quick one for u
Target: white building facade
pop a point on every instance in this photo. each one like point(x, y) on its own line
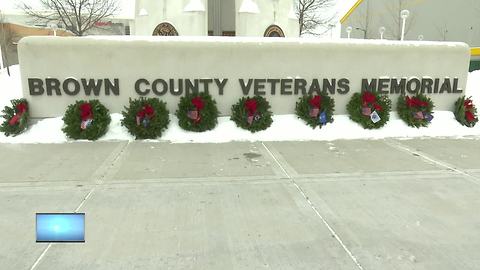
point(186, 18)
point(215, 17)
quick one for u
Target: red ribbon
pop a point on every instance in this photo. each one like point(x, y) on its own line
point(377, 107)
point(468, 104)
point(20, 109)
point(86, 111)
point(198, 103)
point(368, 98)
point(315, 101)
point(146, 111)
point(251, 106)
point(469, 116)
point(415, 102)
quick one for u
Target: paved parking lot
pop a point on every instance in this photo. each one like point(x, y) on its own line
point(357, 204)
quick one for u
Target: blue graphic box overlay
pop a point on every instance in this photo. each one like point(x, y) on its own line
point(53, 227)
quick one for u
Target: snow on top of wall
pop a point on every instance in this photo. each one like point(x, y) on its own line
point(258, 40)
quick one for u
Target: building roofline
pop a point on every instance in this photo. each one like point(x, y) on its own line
point(475, 51)
point(350, 11)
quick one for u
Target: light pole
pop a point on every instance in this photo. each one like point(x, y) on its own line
point(349, 31)
point(331, 26)
point(404, 15)
point(54, 27)
point(381, 30)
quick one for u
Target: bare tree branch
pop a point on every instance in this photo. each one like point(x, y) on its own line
point(313, 14)
point(78, 16)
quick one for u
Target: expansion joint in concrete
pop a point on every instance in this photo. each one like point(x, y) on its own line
point(105, 168)
point(310, 203)
point(427, 158)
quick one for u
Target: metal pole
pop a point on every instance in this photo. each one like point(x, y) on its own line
point(1, 59)
point(404, 14)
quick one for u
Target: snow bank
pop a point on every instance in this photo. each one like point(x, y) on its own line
point(284, 127)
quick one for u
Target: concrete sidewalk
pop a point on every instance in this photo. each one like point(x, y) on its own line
point(373, 205)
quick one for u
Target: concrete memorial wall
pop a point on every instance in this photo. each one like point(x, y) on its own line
point(57, 71)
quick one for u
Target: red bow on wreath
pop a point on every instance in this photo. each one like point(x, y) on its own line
point(86, 111)
point(251, 106)
point(147, 112)
point(469, 115)
point(368, 98)
point(199, 104)
point(468, 104)
point(20, 109)
point(415, 102)
point(315, 101)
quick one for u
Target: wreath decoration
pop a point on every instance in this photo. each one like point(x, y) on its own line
point(416, 111)
point(16, 117)
point(146, 118)
point(315, 110)
point(252, 114)
point(197, 112)
point(369, 109)
point(86, 120)
point(465, 112)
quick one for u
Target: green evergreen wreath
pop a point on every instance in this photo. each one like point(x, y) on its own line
point(197, 112)
point(465, 112)
point(146, 118)
point(86, 119)
point(369, 109)
point(16, 118)
point(315, 110)
point(416, 111)
point(252, 114)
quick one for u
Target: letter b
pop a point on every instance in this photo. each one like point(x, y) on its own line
point(35, 86)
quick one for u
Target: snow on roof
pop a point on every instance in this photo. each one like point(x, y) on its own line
point(13, 7)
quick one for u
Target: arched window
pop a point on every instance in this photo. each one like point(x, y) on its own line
point(274, 31)
point(165, 29)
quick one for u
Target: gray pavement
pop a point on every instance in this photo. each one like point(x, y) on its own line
point(361, 204)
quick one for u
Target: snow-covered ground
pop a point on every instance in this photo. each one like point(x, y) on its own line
point(284, 127)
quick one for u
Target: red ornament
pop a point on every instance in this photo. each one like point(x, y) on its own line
point(315, 101)
point(251, 106)
point(198, 103)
